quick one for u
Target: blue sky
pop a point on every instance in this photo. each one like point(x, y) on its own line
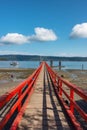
point(43, 27)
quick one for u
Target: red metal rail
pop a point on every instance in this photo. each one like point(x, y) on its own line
point(23, 93)
point(60, 91)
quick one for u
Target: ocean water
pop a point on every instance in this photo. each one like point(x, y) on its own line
point(21, 64)
point(73, 65)
point(35, 64)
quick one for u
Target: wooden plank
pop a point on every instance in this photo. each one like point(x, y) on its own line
point(43, 111)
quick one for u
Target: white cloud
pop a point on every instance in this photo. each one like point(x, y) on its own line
point(79, 31)
point(41, 34)
point(14, 38)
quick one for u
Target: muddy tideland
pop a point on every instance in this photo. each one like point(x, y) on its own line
point(77, 77)
point(10, 78)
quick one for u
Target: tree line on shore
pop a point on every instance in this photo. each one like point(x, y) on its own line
point(39, 58)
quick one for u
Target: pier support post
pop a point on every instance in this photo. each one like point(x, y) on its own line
point(51, 63)
point(82, 66)
point(59, 65)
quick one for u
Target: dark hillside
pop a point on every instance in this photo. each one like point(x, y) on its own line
point(37, 57)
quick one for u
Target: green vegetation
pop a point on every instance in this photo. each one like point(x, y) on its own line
point(3, 59)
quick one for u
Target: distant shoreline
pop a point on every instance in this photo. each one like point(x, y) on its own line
point(38, 58)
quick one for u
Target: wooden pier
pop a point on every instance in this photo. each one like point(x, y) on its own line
point(44, 111)
point(39, 103)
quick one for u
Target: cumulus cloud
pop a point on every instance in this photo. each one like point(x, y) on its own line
point(14, 38)
point(41, 34)
point(79, 31)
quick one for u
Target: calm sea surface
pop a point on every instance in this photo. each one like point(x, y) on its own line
point(35, 64)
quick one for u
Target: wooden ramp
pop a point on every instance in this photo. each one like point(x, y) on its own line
point(44, 111)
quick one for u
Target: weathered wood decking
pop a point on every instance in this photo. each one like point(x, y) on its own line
point(44, 111)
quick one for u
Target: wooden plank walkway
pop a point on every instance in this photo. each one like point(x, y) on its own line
point(43, 111)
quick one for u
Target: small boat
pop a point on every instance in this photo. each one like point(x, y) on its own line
point(14, 63)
